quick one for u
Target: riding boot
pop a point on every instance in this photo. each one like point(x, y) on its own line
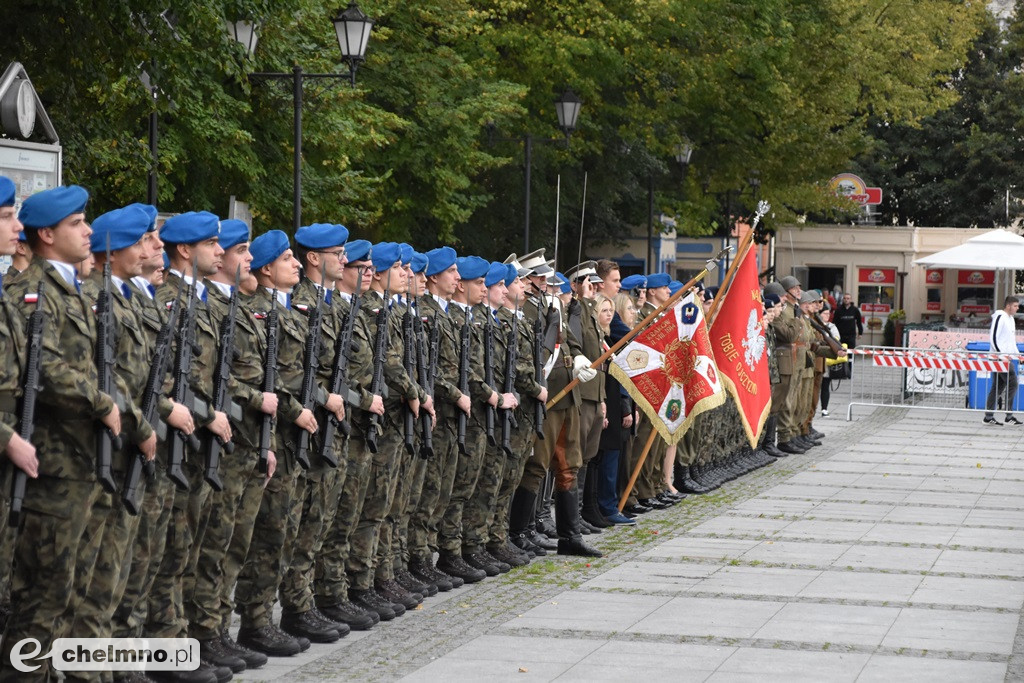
point(544, 524)
point(567, 521)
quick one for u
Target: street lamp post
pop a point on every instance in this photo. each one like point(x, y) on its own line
point(682, 152)
point(353, 31)
point(568, 109)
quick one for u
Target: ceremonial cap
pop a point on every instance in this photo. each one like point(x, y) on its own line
point(513, 260)
point(439, 260)
point(536, 262)
point(496, 273)
point(267, 248)
point(7, 191)
point(358, 250)
point(419, 262)
point(190, 227)
point(406, 252)
point(789, 282)
point(124, 227)
point(634, 282)
point(321, 235)
point(709, 293)
point(386, 255)
point(771, 301)
point(472, 267)
point(511, 274)
point(233, 232)
point(49, 207)
point(151, 211)
point(775, 289)
point(587, 269)
point(658, 280)
point(674, 286)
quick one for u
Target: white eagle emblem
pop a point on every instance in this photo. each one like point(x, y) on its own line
point(754, 343)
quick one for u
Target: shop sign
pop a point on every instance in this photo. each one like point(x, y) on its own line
point(972, 308)
point(877, 276)
point(854, 188)
point(933, 306)
point(934, 277)
point(876, 308)
point(977, 278)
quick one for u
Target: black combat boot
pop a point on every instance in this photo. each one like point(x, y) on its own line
point(371, 602)
point(454, 565)
point(252, 659)
point(410, 583)
point(304, 624)
point(345, 612)
point(269, 640)
point(567, 518)
point(543, 524)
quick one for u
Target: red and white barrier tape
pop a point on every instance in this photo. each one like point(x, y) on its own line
point(937, 359)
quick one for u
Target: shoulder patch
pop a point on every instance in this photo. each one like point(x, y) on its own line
point(259, 315)
point(31, 297)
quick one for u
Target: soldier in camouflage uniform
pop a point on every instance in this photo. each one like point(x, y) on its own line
point(470, 292)
point(12, 347)
point(331, 580)
point(389, 275)
point(232, 509)
point(321, 250)
point(58, 505)
point(442, 278)
point(277, 272)
point(480, 508)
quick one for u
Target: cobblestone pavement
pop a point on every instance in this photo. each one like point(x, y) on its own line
point(893, 552)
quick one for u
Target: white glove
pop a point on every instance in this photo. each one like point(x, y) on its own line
point(581, 369)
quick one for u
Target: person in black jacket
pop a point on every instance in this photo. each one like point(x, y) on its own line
point(849, 321)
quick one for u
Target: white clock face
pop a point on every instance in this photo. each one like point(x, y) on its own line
point(26, 109)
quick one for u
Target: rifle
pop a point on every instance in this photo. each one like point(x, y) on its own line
point(269, 382)
point(409, 361)
point(225, 355)
point(182, 392)
point(834, 344)
point(377, 382)
point(310, 368)
point(539, 410)
point(511, 356)
point(427, 376)
point(30, 387)
point(490, 412)
point(106, 336)
point(463, 379)
point(339, 376)
point(150, 397)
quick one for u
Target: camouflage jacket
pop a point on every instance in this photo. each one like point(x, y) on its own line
point(13, 347)
point(479, 390)
point(446, 380)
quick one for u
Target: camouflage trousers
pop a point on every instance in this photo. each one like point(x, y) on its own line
point(365, 537)
point(8, 535)
point(241, 538)
point(557, 421)
point(410, 490)
point(479, 511)
point(57, 513)
point(438, 478)
point(467, 472)
point(167, 617)
point(150, 540)
point(331, 579)
point(686, 448)
point(276, 522)
point(319, 506)
point(522, 443)
point(395, 527)
point(202, 603)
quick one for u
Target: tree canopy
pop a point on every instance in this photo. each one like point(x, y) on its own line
point(423, 148)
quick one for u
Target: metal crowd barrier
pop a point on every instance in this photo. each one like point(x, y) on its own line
point(932, 379)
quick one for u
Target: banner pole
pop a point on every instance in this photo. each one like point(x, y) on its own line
point(636, 470)
point(741, 253)
point(637, 329)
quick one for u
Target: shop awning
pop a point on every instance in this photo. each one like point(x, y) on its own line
point(993, 250)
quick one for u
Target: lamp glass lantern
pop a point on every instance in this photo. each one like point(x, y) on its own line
point(568, 109)
point(684, 151)
point(353, 29)
point(245, 32)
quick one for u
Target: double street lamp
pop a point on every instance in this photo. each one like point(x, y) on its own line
point(567, 107)
point(353, 30)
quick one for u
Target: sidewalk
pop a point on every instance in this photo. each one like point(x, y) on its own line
point(893, 552)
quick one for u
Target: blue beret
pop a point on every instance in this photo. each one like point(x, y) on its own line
point(167, 261)
point(190, 227)
point(419, 262)
point(49, 207)
point(658, 280)
point(496, 273)
point(472, 267)
point(7, 191)
point(439, 260)
point(357, 250)
point(22, 237)
point(267, 247)
point(233, 232)
point(150, 211)
point(385, 255)
point(634, 281)
point(565, 287)
point(406, 252)
point(124, 226)
point(511, 273)
point(674, 286)
point(321, 235)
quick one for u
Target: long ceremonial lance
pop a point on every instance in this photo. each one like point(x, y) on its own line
point(709, 265)
point(636, 470)
point(762, 208)
point(558, 206)
point(583, 214)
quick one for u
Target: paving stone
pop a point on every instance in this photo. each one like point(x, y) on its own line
point(796, 552)
point(830, 624)
point(954, 630)
point(769, 581)
point(925, 534)
point(709, 548)
point(741, 526)
point(829, 530)
point(884, 557)
point(703, 617)
point(761, 664)
point(980, 562)
point(653, 576)
point(887, 669)
point(989, 538)
point(846, 585)
point(626, 660)
point(868, 512)
point(916, 514)
point(969, 592)
point(589, 611)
